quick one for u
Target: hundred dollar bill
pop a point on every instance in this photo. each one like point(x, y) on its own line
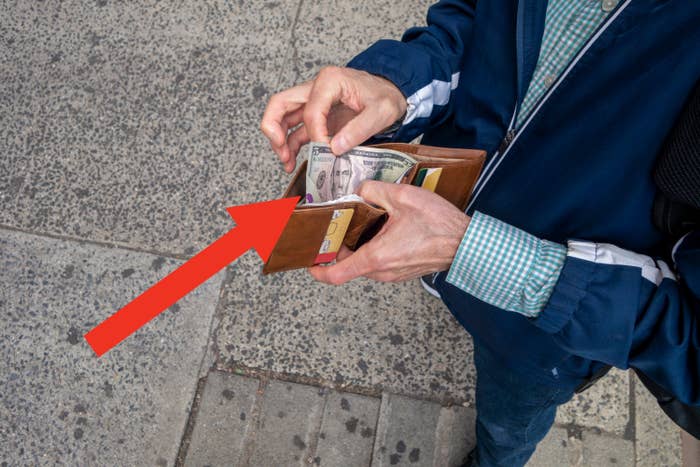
point(329, 177)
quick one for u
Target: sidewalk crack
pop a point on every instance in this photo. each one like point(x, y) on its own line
point(189, 425)
point(292, 45)
point(256, 419)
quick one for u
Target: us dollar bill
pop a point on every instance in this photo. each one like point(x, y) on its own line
point(329, 177)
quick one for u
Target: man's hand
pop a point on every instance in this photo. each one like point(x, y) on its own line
point(421, 236)
point(341, 106)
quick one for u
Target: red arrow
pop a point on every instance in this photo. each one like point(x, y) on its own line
point(258, 226)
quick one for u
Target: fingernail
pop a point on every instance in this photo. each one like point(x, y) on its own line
point(340, 145)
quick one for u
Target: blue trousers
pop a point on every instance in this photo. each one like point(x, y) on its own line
point(513, 412)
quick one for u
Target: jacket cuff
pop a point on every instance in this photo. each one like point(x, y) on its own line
point(571, 287)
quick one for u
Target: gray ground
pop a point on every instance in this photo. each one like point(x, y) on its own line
point(125, 129)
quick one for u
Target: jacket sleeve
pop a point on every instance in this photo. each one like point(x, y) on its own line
point(425, 64)
point(629, 310)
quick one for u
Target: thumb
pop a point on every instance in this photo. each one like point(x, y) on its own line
point(380, 193)
point(349, 268)
point(366, 124)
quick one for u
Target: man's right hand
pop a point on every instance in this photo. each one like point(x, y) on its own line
point(340, 106)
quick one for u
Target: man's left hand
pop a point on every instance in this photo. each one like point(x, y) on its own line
point(421, 236)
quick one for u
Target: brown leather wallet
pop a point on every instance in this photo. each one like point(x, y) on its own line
point(300, 242)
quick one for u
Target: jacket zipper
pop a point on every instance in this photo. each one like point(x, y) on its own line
point(510, 131)
point(512, 134)
point(519, 41)
point(487, 167)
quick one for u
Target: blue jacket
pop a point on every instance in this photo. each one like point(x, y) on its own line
point(578, 172)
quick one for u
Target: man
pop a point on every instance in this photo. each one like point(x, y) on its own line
point(555, 269)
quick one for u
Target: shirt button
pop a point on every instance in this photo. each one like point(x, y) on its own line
point(608, 5)
point(549, 80)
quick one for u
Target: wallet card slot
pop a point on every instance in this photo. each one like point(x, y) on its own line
point(456, 179)
point(411, 179)
point(364, 221)
point(364, 218)
point(410, 175)
point(303, 235)
point(301, 239)
point(297, 187)
point(422, 151)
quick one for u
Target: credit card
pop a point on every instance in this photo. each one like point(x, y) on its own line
point(420, 176)
point(340, 221)
point(431, 179)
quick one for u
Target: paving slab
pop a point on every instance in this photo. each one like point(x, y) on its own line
point(455, 436)
point(392, 337)
point(588, 448)
point(405, 432)
point(555, 450)
point(288, 425)
point(604, 406)
point(59, 403)
point(606, 451)
point(347, 431)
point(223, 420)
point(658, 439)
point(137, 122)
point(691, 450)
point(307, 425)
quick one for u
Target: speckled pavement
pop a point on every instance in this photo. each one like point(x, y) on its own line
point(125, 129)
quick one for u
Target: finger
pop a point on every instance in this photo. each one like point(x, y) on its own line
point(325, 93)
point(338, 117)
point(286, 155)
point(352, 267)
point(273, 124)
point(293, 119)
point(366, 124)
point(381, 194)
point(278, 107)
point(295, 141)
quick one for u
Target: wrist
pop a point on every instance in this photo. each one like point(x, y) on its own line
point(449, 244)
point(396, 97)
point(393, 128)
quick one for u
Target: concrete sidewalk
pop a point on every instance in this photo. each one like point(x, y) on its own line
point(125, 129)
point(246, 421)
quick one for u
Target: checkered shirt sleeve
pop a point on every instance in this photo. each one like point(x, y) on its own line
point(505, 266)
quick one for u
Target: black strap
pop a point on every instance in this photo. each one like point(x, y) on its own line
point(673, 218)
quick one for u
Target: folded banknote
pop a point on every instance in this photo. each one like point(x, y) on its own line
point(330, 177)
